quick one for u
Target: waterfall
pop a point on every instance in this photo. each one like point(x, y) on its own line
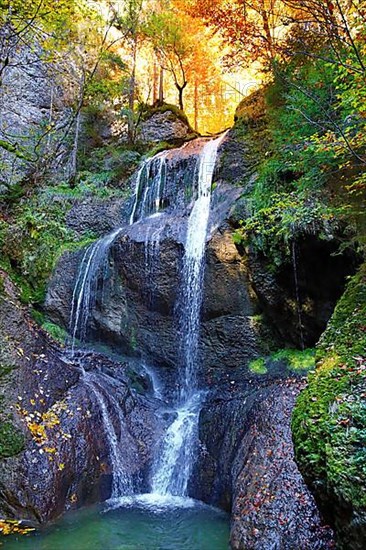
point(92, 266)
point(92, 272)
point(150, 182)
point(193, 268)
point(177, 453)
point(297, 293)
point(121, 481)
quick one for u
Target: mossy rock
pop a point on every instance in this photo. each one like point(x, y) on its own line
point(285, 362)
point(252, 109)
point(176, 113)
point(11, 440)
point(329, 421)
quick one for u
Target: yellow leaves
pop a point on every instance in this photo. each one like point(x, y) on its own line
point(50, 450)
point(50, 419)
point(38, 432)
point(61, 466)
point(11, 527)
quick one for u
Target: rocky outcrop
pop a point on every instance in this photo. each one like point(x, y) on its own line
point(247, 465)
point(299, 296)
point(54, 416)
point(330, 417)
point(31, 99)
point(137, 314)
point(246, 462)
point(167, 124)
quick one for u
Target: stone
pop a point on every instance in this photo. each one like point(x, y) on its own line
point(246, 465)
point(67, 462)
point(164, 126)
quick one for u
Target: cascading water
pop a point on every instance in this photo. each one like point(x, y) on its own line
point(176, 457)
point(150, 183)
point(85, 291)
point(193, 268)
point(172, 470)
point(121, 481)
point(91, 276)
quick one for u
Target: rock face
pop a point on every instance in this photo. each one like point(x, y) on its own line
point(137, 314)
point(307, 288)
point(165, 126)
point(136, 311)
point(246, 462)
point(247, 465)
point(63, 459)
point(30, 98)
point(330, 416)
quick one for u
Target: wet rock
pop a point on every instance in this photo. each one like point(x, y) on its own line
point(247, 465)
point(136, 312)
point(321, 275)
point(96, 216)
point(66, 461)
point(236, 162)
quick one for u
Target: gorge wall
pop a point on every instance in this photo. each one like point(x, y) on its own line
point(134, 315)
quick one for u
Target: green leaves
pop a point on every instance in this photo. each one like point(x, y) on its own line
point(271, 229)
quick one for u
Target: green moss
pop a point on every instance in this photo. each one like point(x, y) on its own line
point(56, 332)
point(11, 440)
point(33, 241)
point(284, 361)
point(166, 108)
point(258, 366)
point(6, 369)
point(159, 147)
point(297, 360)
point(329, 421)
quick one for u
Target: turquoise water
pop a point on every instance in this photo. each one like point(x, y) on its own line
point(142, 524)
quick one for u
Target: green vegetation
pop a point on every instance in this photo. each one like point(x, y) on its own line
point(176, 113)
point(330, 416)
point(286, 360)
point(33, 240)
point(298, 360)
point(57, 333)
point(310, 179)
point(11, 440)
point(105, 169)
point(258, 366)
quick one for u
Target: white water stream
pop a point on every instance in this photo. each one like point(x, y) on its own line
point(175, 455)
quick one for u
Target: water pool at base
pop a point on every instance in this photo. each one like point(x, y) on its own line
point(141, 523)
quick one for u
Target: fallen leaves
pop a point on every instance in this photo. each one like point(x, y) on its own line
point(12, 527)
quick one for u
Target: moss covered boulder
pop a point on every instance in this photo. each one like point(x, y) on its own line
point(166, 123)
point(329, 422)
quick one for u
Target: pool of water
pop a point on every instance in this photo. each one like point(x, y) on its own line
point(147, 522)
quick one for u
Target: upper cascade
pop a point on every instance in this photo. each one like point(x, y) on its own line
point(169, 180)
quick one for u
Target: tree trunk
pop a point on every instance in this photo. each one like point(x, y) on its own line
point(131, 96)
point(196, 104)
point(155, 83)
point(74, 153)
point(180, 94)
point(161, 86)
point(267, 32)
